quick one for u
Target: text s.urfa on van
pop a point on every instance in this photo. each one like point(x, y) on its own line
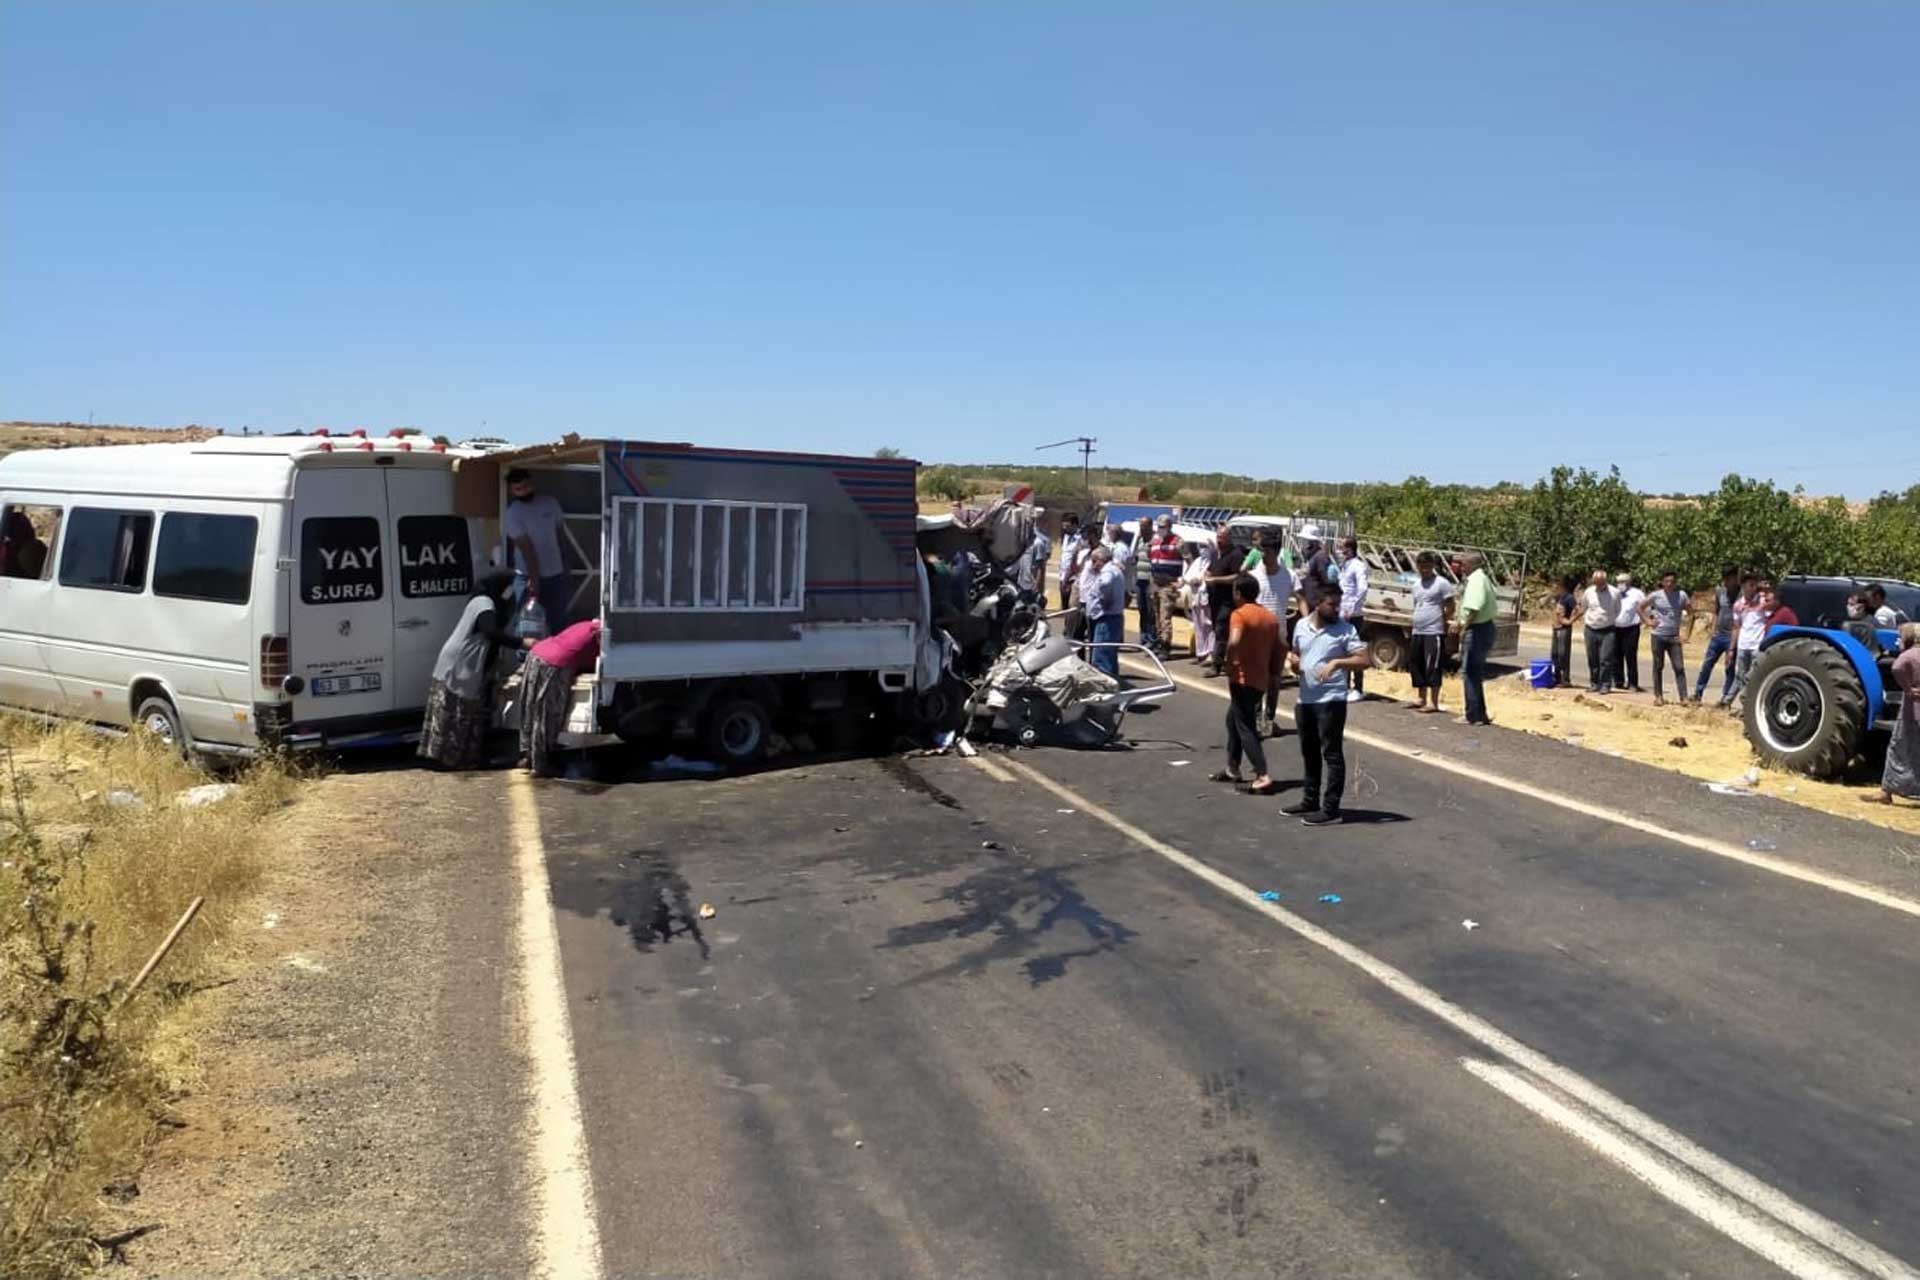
point(233, 593)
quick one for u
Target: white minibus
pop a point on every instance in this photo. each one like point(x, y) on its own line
point(235, 593)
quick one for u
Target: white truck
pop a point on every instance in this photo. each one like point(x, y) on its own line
point(741, 593)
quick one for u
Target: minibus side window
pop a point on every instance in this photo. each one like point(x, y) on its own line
point(27, 537)
point(106, 550)
point(205, 557)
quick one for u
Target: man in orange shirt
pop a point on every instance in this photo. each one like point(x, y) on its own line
point(1255, 652)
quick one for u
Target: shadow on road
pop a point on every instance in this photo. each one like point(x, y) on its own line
point(1020, 907)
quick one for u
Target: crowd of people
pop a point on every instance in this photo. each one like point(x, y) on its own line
point(1256, 615)
point(1613, 614)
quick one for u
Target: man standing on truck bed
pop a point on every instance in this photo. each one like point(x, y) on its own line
point(531, 524)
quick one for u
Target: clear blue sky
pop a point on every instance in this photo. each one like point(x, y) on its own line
point(1333, 241)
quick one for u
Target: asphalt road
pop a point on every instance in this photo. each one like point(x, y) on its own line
point(950, 1020)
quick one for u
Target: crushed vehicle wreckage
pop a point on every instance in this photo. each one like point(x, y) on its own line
point(1029, 681)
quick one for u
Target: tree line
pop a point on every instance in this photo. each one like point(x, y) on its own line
point(1569, 522)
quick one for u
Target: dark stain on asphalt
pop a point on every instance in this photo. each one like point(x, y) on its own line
point(897, 769)
point(656, 903)
point(1019, 907)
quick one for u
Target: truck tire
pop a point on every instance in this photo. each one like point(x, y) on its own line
point(738, 729)
point(156, 715)
point(1805, 709)
point(942, 708)
point(1387, 648)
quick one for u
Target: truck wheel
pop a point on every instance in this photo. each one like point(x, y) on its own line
point(157, 716)
point(1388, 649)
point(1805, 709)
point(738, 730)
point(943, 707)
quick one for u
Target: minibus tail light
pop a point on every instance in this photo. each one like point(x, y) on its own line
point(276, 661)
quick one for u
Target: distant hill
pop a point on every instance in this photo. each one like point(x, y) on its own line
point(15, 436)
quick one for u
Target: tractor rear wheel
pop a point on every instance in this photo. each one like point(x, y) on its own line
point(1805, 709)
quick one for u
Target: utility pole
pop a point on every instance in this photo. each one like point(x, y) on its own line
point(1085, 445)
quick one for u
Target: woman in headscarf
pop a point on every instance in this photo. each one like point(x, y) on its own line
point(1902, 774)
point(459, 710)
point(1199, 563)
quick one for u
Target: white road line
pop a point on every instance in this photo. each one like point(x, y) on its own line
point(1704, 844)
point(1727, 1215)
point(566, 1232)
point(1777, 1204)
point(991, 769)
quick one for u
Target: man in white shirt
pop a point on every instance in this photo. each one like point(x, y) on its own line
point(1353, 601)
point(1602, 610)
point(1072, 549)
point(532, 523)
point(1884, 615)
point(1032, 574)
point(1626, 633)
point(1103, 596)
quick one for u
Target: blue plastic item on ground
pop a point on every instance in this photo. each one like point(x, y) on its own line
point(1540, 673)
point(1330, 897)
point(1269, 895)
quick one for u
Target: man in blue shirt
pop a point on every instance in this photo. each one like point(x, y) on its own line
point(1325, 648)
point(1104, 601)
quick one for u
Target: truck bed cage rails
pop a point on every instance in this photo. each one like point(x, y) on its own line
point(1506, 567)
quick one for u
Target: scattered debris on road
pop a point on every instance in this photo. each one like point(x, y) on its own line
point(1760, 844)
point(1469, 924)
point(989, 844)
point(707, 911)
point(1269, 895)
point(1727, 789)
point(1330, 898)
point(1677, 741)
point(1178, 764)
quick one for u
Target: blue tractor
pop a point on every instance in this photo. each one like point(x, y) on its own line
point(1817, 690)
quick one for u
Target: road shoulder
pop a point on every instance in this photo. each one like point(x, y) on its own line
point(353, 1117)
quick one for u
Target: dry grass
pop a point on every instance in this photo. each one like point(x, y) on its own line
point(97, 861)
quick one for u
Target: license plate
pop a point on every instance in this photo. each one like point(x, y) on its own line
point(366, 682)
